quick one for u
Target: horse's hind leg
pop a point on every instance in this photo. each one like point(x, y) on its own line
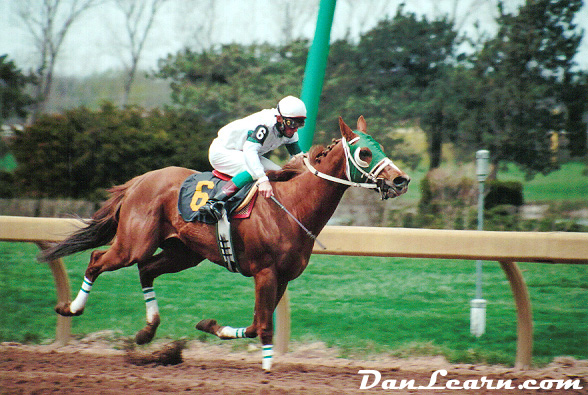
point(76, 307)
point(175, 257)
point(127, 249)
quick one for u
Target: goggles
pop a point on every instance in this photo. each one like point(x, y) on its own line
point(293, 123)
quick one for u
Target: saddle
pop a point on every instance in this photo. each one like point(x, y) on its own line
point(199, 187)
point(195, 192)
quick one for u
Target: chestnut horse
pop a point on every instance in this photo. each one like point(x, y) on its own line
point(271, 246)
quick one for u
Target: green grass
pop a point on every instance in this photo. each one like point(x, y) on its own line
point(566, 184)
point(361, 306)
point(7, 162)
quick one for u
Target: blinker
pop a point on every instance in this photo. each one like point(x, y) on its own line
point(358, 159)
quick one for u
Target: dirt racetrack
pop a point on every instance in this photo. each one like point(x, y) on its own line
point(92, 366)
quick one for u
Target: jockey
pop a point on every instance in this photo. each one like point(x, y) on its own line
point(239, 148)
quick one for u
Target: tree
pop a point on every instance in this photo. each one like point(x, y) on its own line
point(227, 83)
point(406, 51)
point(461, 10)
point(139, 17)
point(14, 101)
point(392, 74)
point(48, 25)
point(574, 95)
point(524, 73)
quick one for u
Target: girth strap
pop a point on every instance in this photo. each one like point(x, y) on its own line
point(225, 244)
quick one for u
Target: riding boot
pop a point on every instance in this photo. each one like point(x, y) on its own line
point(215, 205)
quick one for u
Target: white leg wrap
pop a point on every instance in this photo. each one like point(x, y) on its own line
point(80, 300)
point(267, 354)
point(150, 303)
point(226, 332)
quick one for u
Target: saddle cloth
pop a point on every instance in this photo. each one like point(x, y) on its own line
point(199, 187)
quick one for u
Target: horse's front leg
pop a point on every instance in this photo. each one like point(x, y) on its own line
point(226, 332)
point(266, 300)
point(268, 291)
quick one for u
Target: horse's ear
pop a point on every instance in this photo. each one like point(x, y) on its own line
point(346, 130)
point(362, 124)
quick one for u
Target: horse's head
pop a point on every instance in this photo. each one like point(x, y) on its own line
point(367, 163)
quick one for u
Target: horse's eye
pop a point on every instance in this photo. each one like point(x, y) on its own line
point(363, 156)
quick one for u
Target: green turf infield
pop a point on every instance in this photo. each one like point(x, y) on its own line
point(358, 305)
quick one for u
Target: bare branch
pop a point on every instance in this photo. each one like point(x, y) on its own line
point(139, 18)
point(292, 16)
point(48, 26)
point(196, 22)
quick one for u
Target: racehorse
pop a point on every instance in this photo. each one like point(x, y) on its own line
point(142, 216)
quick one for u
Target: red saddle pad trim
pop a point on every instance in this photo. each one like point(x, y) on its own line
point(222, 176)
point(245, 212)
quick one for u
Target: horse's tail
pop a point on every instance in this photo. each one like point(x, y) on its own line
point(99, 230)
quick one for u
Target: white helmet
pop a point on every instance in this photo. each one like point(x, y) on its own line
point(292, 107)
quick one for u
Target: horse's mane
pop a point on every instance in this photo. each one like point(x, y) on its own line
point(296, 165)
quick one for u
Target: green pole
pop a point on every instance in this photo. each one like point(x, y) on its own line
point(314, 74)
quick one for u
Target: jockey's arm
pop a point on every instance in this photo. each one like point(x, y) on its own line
point(252, 162)
point(251, 149)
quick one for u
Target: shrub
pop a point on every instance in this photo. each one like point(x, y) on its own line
point(503, 193)
point(501, 217)
point(446, 197)
point(80, 153)
point(7, 184)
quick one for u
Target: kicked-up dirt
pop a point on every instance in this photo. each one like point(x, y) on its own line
point(94, 367)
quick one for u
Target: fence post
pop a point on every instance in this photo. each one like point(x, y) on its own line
point(524, 314)
point(63, 330)
point(282, 335)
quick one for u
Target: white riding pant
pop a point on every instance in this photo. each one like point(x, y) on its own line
point(232, 162)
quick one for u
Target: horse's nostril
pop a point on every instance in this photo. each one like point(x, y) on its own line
point(401, 181)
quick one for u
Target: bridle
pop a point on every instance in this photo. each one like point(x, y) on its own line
point(373, 181)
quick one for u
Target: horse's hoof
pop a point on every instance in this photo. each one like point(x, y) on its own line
point(147, 334)
point(63, 309)
point(144, 336)
point(208, 326)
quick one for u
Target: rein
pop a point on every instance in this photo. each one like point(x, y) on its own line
point(308, 232)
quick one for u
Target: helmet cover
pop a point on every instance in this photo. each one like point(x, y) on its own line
point(292, 107)
point(363, 141)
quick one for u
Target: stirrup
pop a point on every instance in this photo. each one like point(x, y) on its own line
point(214, 208)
